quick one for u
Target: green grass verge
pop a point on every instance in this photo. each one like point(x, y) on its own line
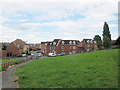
point(98, 69)
point(11, 62)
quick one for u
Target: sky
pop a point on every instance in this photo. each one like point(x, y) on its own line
point(35, 21)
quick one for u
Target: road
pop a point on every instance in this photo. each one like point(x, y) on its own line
point(9, 78)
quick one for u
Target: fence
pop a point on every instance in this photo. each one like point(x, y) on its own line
point(5, 65)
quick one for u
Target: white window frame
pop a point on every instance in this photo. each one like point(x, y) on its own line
point(62, 47)
point(74, 47)
point(63, 42)
point(88, 45)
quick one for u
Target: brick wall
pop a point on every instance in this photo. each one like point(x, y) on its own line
point(14, 50)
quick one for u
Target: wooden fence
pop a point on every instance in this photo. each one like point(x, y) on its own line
point(5, 65)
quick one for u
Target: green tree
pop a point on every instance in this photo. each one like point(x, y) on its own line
point(97, 38)
point(106, 31)
point(3, 47)
point(99, 44)
point(106, 42)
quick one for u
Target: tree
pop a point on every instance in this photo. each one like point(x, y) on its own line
point(106, 42)
point(97, 38)
point(99, 44)
point(3, 47)
point(106, 31)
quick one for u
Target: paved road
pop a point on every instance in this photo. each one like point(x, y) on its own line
point(9, 78)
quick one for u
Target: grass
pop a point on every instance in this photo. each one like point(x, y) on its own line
point(98, 69)
point(10, 62)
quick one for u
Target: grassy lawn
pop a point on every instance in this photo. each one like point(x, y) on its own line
point(97, 69)
point(4, 61)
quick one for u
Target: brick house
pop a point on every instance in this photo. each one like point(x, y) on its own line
point(89, 44)
point(3, 52)
point(61, 46)
point(17, 47)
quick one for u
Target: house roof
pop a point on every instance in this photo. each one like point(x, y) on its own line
point(17, 45)
point(88, 40)
point(43, 42)
point(68, 41)
point(22, 41)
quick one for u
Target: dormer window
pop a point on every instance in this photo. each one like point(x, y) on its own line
point(54, 43)
point(70, 42)
point(91, 41)
point(87, 41)
point(63, 42)
point(94, 41)
point(46, 44)
point(74, 42)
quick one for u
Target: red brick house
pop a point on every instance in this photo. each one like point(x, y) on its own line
point(17, 47)
point(61, 46)
point(89, 44)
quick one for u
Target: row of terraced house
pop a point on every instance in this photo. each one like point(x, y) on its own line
point(68, 46)
point(56, 46)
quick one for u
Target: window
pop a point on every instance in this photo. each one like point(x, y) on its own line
point(46, 44)
point(88, 50)
point(62, 51)
point(88, 45)
point(74, 42)
point(54, 43)
point(50, 44)
point(91, 41)
point(87, 41)
point(95, 45)
point(73, 52)
point(63, 42)
point(62, 47)
point(70, 42)
point(94, 41)
point(74, 47)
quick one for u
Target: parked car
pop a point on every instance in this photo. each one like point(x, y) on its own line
point(23, 55)
point(19, 55)
point(52, 54)
point(39, 54)
point(32, 54)
point(61, 54)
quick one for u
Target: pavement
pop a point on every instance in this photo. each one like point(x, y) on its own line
point(8, 78)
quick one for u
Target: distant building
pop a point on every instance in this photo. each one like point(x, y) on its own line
point(61, 46)
point(89, 44)
point(17, 47)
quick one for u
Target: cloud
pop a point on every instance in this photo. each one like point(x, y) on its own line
point(31, 17)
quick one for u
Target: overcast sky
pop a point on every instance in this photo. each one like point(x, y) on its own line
point(37, 21)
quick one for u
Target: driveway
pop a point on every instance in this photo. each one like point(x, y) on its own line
point(9, 78)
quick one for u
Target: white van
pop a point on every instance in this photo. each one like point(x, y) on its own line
point(52, 54)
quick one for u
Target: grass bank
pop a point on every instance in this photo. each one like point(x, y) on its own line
point(98, 69)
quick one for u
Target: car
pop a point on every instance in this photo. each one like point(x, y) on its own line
point(19, 55)
point(32, 54)
point(39, 54)
point(52, 54)
point(61, 54)
point(23, 55)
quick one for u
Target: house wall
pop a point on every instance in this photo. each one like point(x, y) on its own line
point(91, 45)
point(14, 50)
